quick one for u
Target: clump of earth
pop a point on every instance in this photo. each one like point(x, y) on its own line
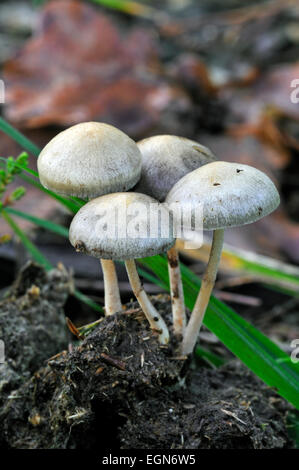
point(121, 380)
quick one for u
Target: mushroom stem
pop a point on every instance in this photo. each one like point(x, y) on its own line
point(155, 320)
point(176, 292)
point(194, 324)
point(112, 294)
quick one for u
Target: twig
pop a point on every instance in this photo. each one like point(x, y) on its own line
point(73, 328)
point(113, 362)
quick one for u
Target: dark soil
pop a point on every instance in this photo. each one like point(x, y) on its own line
point(118, 388)
point(32, 323)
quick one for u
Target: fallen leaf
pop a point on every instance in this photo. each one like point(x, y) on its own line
point(79, 67)
point(247, 149)
point(271, 89)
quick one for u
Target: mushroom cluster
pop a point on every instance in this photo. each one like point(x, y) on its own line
point(99, 163)
point(165, 160)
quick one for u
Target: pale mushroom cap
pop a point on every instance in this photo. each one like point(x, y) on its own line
point(231, 194)
point(132, 237)
point(88, 160)
point(165, 160)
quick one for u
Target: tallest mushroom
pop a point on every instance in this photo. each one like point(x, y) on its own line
point(231, 194)
point(88, 160)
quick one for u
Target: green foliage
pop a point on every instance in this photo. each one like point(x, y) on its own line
point(46, 224)
point(19, 137)
point(32, 249)
point(9, 168)
point(127, 6)
point(209, 357)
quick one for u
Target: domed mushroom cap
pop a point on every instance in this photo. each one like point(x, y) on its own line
point(165, 160)
point(122, 226)
point(88, 160)
point(231, 194)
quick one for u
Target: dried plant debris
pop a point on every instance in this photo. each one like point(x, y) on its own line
point(79, 81)
point(32, 323)
point(273, 92)
point(120, 380)
point(76, 389)
point(247, 34)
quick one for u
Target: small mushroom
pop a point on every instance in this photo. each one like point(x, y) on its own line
point(119, 226)
point(165, 160)
point(231, 195)
point(88, 160)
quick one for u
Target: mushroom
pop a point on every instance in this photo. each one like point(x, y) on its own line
point(165, 160)
point(88, 160)
point(120, 226)
point(231, 194)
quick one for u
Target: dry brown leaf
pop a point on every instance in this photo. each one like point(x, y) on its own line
point(78, 67)
point(272, 89)
point(248, 150)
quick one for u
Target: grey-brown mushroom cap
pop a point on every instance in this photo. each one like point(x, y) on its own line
point(165, 160)
point(88, 160)
point(122, 226)
point(231, 194)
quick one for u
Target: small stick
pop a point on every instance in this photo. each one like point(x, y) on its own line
point(113, 362)
point(62, 353)
point(73, 329)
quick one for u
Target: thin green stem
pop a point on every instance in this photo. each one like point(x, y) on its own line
point(19, 137)
point(32, 249)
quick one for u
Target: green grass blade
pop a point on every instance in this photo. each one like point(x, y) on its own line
point(150, 277)
point(254, 349)
point(209, 357)
point(19, 137)
point(73, 207)
point(263, 267)
point(31, 248)
point(80, 296)
point(41, 259)
point(46, 224)
point(271, 272)
point(127, 6)
point(73, 204)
